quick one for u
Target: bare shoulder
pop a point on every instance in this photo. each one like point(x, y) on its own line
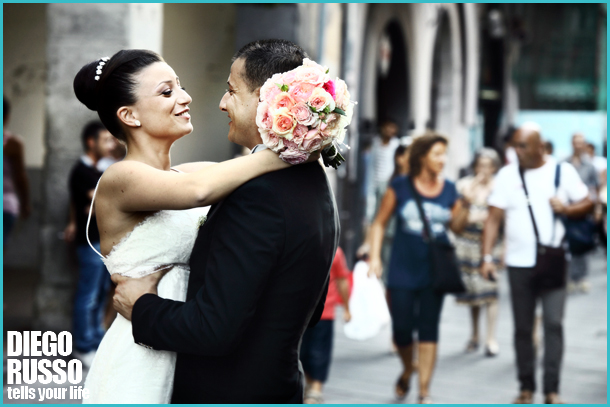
point(124, 172)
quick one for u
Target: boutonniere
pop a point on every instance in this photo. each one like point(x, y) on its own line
point(201, 221)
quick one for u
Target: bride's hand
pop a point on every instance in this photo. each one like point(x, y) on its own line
point(315, 156)
point(128, 290)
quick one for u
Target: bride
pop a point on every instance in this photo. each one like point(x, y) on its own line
point(148, 213)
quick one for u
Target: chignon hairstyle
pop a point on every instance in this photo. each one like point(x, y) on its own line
point(116, 86)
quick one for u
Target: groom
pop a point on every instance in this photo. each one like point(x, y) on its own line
point(259, 267)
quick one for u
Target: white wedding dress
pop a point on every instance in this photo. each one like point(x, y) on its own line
point(123, 371)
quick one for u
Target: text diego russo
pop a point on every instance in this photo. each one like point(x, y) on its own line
point(26, 364)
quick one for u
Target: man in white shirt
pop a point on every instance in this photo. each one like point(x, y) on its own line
point(381, 166)
point(508, 201)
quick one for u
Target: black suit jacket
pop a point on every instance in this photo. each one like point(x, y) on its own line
point(259, 275)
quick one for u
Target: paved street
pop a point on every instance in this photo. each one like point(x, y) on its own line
point(365, 372)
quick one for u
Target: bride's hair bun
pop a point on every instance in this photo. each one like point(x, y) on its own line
point(114, 87)
point(85, 85)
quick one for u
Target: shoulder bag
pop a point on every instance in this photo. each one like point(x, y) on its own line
point(551, 266)
point(446, 276)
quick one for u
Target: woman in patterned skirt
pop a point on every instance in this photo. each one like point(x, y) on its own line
point(481, 293)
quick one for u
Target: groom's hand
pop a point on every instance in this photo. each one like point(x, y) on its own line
point(128, 290)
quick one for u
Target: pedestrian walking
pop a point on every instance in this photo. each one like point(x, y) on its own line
point(380, 166)
point(480, 293)
point(579, 262)
point(529, 197)
point(401, 168)
point(415, 306)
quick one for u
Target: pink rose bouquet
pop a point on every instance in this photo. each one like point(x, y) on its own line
point(303, 111)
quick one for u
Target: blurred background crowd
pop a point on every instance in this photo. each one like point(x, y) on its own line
point(487, 85)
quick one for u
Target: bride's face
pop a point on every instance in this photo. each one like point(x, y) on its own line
point(162, 106)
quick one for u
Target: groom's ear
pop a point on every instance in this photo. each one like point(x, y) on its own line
point(126, 116)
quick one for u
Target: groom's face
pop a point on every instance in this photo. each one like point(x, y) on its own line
point(240, 104)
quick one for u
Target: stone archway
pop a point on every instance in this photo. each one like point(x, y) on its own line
point(392, 101)
point(385, 27)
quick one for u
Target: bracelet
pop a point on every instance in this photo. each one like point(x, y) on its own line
point(488, 258)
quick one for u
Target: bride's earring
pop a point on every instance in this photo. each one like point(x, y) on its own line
point(138, 124)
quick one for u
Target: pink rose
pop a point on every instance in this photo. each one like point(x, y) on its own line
point(342, 97)
point(300, 131)
point(303, 114)
point(312, 141)
point(270, 89)
point(298, 134)
point(326, 131)
point(282, 100)
point(331, 124)
point(332, 128)
point(320, 99)
point(271, 93)
point(302, 91)
point(294, 156)
point(291, 145)
point(311, 75)
point(310, 63)
point(330, 88)
point(289, 77)
point(271, 140)
point(263, 119)
point(335, 126)
point(283, 123)
point(332, 118)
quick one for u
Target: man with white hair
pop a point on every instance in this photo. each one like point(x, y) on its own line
point(525, 193)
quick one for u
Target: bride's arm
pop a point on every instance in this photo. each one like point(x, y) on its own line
point(134, 186)
point(194, 166)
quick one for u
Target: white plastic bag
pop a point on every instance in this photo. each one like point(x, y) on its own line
point(367, 305)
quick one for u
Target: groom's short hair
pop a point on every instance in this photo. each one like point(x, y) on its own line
point(264, 58)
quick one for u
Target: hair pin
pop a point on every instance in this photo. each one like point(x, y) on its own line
point(101, 64)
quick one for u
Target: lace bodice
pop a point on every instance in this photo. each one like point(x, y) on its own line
point(164, 238)
point(167, 237)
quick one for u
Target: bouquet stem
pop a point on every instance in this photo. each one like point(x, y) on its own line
point(332, 157)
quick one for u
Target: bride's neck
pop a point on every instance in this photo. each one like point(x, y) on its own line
point(154, 152)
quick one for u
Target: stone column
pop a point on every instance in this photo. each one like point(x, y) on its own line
point(77, 34)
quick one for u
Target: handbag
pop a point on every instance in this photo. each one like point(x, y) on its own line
point(446, 275)
point(551, 265)
point(580, 234)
